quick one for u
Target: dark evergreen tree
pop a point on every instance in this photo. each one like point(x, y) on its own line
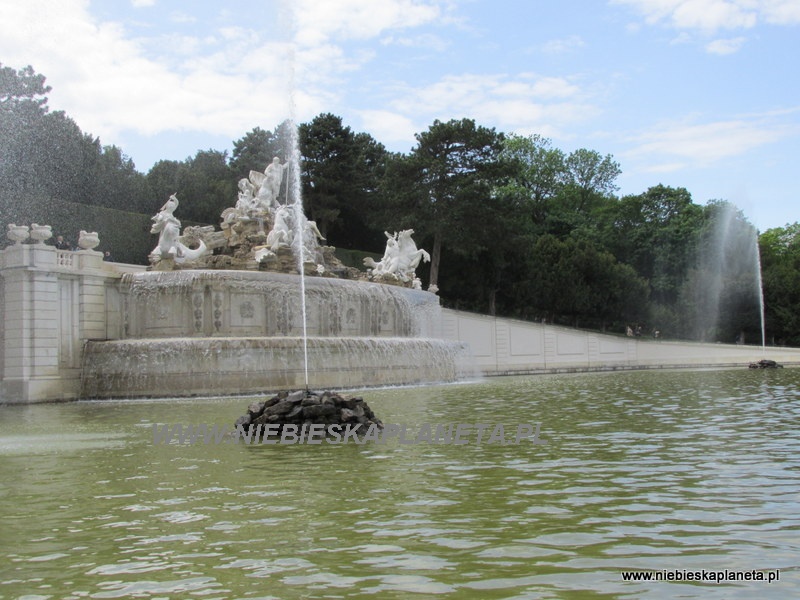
point(444, 188)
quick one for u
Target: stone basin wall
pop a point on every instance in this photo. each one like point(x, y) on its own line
point(259, 303)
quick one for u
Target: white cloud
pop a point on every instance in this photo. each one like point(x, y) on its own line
point(433, 42)
point(563, 45)
point(318, 22)
point(713, 15)
point(706, 143)
point(725, 46)
point(108, 82)
point(219, 80)
point(389, 127)
point(781, 12)
point(524, 104)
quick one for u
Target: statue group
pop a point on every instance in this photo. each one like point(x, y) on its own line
point(400, 259)
point(262, 232)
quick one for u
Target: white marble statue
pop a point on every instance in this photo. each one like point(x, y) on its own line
point(400, 259)
point(311, 238)
point(267, 185)
point(281, 234)
point(273, 176)
point(170, 205)
point(168, 228)
point(246, 201)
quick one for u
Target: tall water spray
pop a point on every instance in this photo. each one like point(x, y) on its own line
point(726, 281)
point(760, 290)
point(295, 197)
point(298, 242)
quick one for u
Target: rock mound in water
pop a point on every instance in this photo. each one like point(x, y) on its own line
point(310, 408)
point(765, 364)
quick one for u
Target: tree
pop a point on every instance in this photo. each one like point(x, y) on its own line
point(577, 279)
point(22, 90)
point(445, 187)
point(47, 156)
point(780, 262)
point(539, 172)
point(254, 152)
point(656, 233)
point(205, 186)
point(589, 176)
point(23, 105)
point(111, 180)
point(340, 174)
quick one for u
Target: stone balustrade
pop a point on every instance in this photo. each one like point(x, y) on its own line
point(51, 302)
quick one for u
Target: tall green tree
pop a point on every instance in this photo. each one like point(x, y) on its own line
point(780, 261)
point(590, 176)
point(255, 151)
point(539, 172)
point(340, 174)
point(22, 89)
point(576, 279)
point(205, 187)
point(444, 188)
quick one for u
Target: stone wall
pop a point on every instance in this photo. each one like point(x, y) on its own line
point(507, 347)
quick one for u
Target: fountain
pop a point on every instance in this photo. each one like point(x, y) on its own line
point(727, 288)
point(261, 305)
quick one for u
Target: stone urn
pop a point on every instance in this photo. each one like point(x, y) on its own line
point(40, 233)
point(18, 233)
point(88, 240)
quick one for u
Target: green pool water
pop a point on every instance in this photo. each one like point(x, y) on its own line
point(647, 471)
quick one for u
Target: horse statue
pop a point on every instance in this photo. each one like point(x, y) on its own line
point(281, 234)
point(400, 259)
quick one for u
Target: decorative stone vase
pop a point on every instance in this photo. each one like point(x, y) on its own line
point(40, 233)
point(18, 233)
point(88, 240)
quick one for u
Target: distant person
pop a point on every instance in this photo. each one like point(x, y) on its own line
point(629, 331)
point(107, 256)
point(62, 244)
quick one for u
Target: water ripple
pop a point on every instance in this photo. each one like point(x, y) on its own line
point(648, 471)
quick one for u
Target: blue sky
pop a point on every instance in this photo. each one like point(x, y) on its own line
point(701, 94)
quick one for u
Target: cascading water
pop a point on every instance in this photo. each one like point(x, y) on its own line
point(201, 331)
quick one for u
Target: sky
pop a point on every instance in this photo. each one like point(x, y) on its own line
point(700, 94)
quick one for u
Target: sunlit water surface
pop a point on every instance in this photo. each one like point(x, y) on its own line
point(642, 470)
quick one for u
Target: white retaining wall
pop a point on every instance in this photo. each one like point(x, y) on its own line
point(507, 346)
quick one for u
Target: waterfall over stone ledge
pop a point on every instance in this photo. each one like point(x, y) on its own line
point(203, 332)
